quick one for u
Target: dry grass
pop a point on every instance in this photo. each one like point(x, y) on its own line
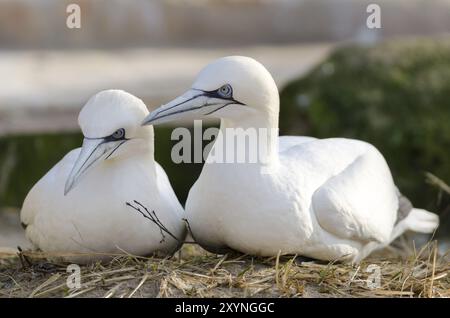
point(195, 273)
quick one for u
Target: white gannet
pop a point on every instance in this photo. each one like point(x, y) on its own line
point(80, 205)
point(329, 199)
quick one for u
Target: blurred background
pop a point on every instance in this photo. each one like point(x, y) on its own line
point(389, 86)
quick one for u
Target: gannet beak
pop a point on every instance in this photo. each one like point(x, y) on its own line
point(91, 153)
point(188, 105)
point(194, 104)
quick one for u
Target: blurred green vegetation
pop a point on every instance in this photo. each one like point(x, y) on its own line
point(24, 159)
point(395, 95)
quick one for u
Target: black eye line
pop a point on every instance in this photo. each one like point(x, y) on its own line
point(215, 94)
point(110, 137)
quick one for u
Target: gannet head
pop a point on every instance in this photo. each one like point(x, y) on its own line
point(111, 125)
point(232, 87)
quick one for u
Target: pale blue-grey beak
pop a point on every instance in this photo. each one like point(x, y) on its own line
point(91, 152)
point(194, 104)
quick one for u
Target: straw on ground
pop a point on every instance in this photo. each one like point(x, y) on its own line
point(195, 273)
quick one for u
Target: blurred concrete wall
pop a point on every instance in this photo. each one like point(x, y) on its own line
point(119, 23)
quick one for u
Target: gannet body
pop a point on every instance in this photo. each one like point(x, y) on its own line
point(330, 199)
point(79, 208)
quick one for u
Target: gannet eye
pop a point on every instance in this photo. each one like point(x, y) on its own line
point(118, 134)
point(226, 91)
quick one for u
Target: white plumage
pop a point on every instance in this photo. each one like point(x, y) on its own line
point(114, 166)
point(328, 199)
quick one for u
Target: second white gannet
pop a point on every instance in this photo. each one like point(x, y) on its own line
point(79, 208)
point(329, 199)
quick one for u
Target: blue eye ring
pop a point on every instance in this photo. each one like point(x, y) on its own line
point(118, 134)
point(225, 91)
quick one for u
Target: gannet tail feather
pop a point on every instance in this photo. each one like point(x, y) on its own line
point(418, 220)
point(409, 219)
point(413, 219)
